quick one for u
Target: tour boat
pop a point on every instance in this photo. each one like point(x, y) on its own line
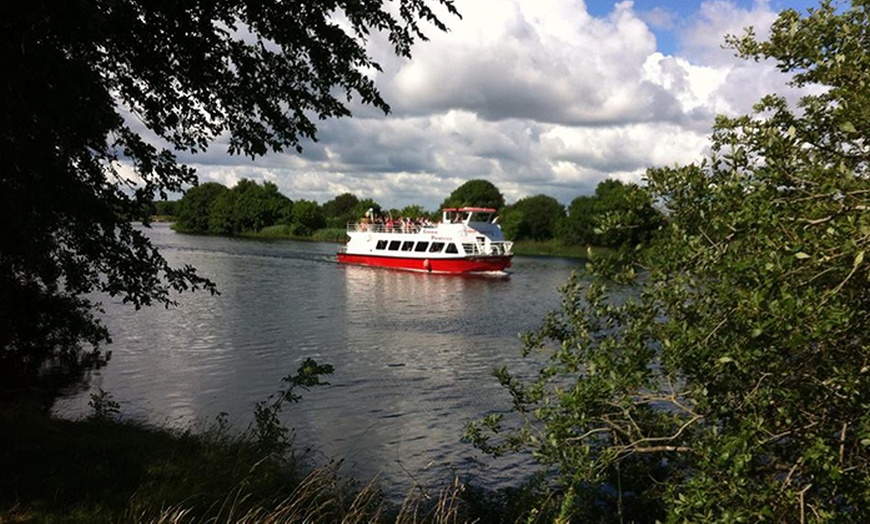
point(467, 240)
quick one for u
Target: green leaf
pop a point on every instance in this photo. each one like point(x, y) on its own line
point(859, 258)
point(800, 255)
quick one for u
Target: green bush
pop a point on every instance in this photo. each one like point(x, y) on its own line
point(335, 234)
point(729, 381)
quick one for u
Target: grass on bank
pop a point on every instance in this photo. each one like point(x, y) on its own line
point(339, 235)
point(286, 232)
point(103, 470)
point(96, 471)
point(106, 471)
point(283, 232)
point(524, 247)
point(554, 248)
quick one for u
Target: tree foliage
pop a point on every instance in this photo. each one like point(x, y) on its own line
point(617, 215)
point(532, 218)
point(246, 208)
point(413, 211)
point(166, 208)
point(362, 208)
point(249, 208)
point(733, 384)
point(76, 73)
point(339, 211)
point(578, 228)
point(194, 208)
point(475, 193)
point(307, 218)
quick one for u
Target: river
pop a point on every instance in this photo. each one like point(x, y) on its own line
point(413, 353)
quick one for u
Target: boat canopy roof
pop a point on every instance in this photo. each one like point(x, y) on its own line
point(470, 209)
point(467, 215)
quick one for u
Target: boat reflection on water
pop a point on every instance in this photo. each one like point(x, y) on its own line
point(395, 297)
point(428, 357)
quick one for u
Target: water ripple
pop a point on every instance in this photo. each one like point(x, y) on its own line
point(413, 353)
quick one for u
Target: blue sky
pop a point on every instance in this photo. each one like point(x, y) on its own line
point(537, 96)
point(665, 18)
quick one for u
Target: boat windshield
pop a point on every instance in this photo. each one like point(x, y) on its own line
point(453, 216)
point(470, 214)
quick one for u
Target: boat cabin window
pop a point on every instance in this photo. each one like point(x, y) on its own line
point(469, 249)
point(451, 248)
point(421, 247)
point(479, 216)
point(454, 216)
point(436, 247)
point(382, 244)
point(407, 245)
point(394, 245)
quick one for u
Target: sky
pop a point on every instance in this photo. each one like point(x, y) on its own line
point(536, 96)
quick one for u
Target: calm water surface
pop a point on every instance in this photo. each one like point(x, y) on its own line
point(413, 353)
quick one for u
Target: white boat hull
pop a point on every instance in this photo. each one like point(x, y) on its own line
point(466, 241)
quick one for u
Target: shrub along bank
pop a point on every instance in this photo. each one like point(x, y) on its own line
point(102, 469)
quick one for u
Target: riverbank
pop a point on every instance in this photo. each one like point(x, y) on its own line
point(388, 417)
point(550, 248)
point(102, 470)
point(279, 232)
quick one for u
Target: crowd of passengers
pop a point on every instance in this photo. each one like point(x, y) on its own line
point(398, 225)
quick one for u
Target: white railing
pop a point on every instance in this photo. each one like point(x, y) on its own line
point(495, 248)
point(353, 227)
point(471, 248)
point(501, 248)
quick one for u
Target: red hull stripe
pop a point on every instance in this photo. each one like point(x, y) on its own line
point(435, 265)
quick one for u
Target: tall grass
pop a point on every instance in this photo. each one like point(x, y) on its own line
point(107, 471)
point(103, 470)
point(287, 232)
point(319, 497)
point(335, 234)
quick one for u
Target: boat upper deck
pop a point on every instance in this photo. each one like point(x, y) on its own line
point(378, 227)
point(465, 216)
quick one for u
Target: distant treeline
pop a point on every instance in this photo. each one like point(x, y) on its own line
point(617, 214)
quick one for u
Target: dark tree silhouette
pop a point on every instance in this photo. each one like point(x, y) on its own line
point(338, 210)
point(480, 193)
point(196, 205)
point(74, 170)
point(532, 218)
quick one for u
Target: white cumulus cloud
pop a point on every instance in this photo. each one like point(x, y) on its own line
point(535, 96)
